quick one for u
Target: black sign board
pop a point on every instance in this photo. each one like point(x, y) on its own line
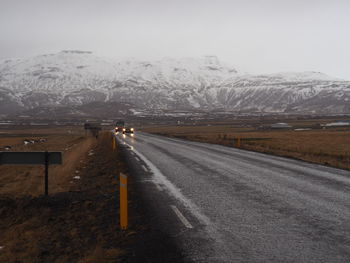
point(32, 158)
point(94, 128)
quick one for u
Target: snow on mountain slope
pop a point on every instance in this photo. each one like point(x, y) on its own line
point(71, 78)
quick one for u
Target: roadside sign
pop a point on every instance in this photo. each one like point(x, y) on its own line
point(29, 158)
point(94, 128)
point(32, 158)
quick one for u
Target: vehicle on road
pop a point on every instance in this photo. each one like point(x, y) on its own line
point(119, 126)
point(128, 130)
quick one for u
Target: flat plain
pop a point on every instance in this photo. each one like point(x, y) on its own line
point(307, 140)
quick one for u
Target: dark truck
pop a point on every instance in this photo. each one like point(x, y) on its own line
point(119, 126)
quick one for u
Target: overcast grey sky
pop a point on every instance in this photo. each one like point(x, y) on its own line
point(258, 36)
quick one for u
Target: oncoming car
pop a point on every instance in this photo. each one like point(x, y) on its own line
point(118, 129)
point(128, 130)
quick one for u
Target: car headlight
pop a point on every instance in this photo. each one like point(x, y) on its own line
point(124, 129)
point(132, 129)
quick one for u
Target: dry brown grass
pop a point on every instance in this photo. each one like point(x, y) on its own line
point(329, 147)
point(75, 223)
point(81, 224)
point(29, 180)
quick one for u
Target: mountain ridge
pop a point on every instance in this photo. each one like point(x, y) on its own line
point(72, 77)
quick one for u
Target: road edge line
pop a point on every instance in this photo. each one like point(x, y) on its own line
point(182, 218)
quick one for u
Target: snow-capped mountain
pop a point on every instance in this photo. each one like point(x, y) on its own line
point(71, 78)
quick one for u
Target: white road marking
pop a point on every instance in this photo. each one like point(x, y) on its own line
point(144, 168)
point(181, 217)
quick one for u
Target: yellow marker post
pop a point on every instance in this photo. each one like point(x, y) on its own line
point(113, 143)
point(238, 142)
point(123, 190)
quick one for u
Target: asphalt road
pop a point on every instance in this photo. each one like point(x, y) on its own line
point(222, 204)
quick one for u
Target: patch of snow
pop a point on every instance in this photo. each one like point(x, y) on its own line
point(335, 124)
point(303, 129)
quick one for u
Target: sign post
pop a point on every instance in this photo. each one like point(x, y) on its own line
point(94, 128)
point(32, 158)
point(46, 173)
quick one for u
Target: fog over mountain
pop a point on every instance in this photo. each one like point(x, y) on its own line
point(73, 78)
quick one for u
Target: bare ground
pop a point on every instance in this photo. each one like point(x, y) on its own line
point(79, 221)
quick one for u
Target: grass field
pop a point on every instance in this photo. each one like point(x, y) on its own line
point(28, 180)
point(324, 146)
point(79, 220)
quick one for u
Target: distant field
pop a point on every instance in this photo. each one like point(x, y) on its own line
point(78, 221)
point(28, 180)
point(324, 146)
point(74, 223)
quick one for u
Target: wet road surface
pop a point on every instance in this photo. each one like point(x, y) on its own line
point(228, 205)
